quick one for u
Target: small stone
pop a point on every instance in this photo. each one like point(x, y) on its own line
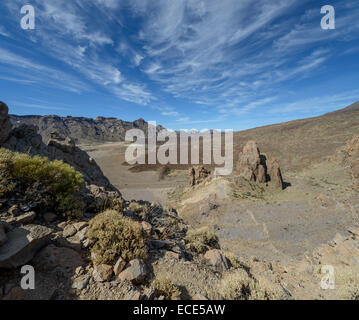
point(146, 227)
point(79, 270)
point(49, 217)
point(62, 225)
point(69, 231)
point(119, 266)
point(14, 210)
point(82, 234)
point(87, 243)
point(80, 225)
point(102, 273)
point(217, 259)
point(136, 272)
point(24, 208)
point(81, 282)
point(26, 218)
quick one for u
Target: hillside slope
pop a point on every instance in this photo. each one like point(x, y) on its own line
point(297, 144)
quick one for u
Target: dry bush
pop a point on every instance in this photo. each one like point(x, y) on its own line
point(201, 240)
point(138, 209)
point(166, 288)
point(52, 184)
point(234, 260)
point(347, 284)
point(113, 203)
point(238, 285)
point(115, 236)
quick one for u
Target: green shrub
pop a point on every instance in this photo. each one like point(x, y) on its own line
point(52, 183)
point(116, 236)
point(202, 239)
point(166, 288)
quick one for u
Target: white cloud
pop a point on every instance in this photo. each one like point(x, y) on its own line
point(185, 119)
point(3, 32)
point(37, 106)
point(318, 104)
point(170, 113)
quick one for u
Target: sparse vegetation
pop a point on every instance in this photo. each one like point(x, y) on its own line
point(138, 209)
point(202, 239)
point(166, 288)
point(115, 236)
point(347, 284)
point(113, 203)
point(52, 184)
point(238, 285)
point(233, 259)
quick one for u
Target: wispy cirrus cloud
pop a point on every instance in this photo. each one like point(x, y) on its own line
point(228, 58)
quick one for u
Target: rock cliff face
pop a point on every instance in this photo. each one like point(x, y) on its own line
point(81, 130)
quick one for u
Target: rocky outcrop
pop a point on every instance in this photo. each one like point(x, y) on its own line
point(26, 139)
point(5, 124)
point(135, 272)
point(216, 259)
point(80, 129)
point(22, 243)
point(255, 167)
point(197, 175)
point(102, 273)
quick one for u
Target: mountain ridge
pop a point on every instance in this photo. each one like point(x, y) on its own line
point(82, 130)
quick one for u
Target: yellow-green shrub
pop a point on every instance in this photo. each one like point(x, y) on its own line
point(166, 288)
point(53, 182)
point(202, 239)
point(115, 236)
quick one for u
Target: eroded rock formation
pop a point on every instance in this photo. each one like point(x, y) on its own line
point(255, 167)
point(198, 174)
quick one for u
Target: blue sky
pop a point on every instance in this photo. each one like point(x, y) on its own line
point(228, 64)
